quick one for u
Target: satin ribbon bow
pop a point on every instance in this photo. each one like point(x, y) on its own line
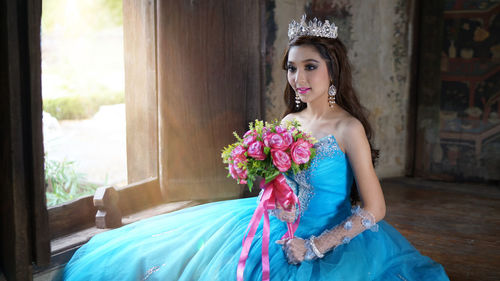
point(278, 191)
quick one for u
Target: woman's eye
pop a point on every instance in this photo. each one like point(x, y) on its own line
point(291, 68)
point(311, 67)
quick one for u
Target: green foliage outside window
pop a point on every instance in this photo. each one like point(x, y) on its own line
point(80, 107)
point(64, 183)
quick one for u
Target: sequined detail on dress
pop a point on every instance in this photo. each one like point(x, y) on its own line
point(152, 270)
point(325, 147)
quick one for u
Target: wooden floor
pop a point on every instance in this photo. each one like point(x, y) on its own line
point(457, 225)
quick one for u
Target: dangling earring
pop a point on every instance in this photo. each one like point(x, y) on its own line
point(297, 101)
point(332, 91)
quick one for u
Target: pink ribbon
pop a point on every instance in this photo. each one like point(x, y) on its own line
point(276, 190)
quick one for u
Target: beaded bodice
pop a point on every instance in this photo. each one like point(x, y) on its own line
point(324, 188)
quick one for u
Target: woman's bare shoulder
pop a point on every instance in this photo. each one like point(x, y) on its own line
point(290, 117)
point(351, 125)
point(347, 127)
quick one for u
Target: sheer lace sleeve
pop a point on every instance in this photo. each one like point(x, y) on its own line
point(359, 221)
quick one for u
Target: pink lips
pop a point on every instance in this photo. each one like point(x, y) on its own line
point(303, 90)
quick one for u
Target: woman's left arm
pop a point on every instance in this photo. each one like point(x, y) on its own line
point(359, 154)
point(358, 151)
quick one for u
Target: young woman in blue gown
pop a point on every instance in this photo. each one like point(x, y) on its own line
point(334, 240)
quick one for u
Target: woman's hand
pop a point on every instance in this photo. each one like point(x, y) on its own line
point(283, 215)
point(295, 249)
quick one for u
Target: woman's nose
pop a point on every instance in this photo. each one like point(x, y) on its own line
point(299, 76)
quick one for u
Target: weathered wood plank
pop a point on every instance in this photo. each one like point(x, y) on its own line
point(140, 89)
point(40, 230)
point(71, 216)
point(139, 196)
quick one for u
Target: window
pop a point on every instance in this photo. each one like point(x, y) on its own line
point(83, 97)
point(141, 115)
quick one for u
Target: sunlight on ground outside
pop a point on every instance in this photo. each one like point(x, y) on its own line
point(83, 97)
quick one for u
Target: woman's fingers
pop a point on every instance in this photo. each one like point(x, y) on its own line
point(282, 241)
point(294, 249)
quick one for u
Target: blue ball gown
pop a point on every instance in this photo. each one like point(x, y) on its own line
point(204, 242)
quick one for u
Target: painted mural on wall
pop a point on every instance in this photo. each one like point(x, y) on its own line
point(470, 91)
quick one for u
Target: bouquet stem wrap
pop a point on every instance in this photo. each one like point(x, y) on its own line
point(279, 191)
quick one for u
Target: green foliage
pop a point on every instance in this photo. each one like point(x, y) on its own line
point(237, 137)
point(80, 107)
point(64, 183)
point(226, 153)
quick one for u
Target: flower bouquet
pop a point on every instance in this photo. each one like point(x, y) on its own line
point(267, 150)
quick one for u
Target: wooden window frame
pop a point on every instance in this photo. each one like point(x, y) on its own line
point(24, 237)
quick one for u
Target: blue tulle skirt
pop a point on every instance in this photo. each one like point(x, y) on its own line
point(204, 243)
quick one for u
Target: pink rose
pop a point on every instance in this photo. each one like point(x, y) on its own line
point(241, 172)
point(240, 178)
point(300, 151)
point(281, 160)
point(265, 132)
point(287, 138)
point(256, 150)
point(280, 130)
point(249, 140)
point(232, 171)
point(275, 141)
point(238, 152)
point(248, 133)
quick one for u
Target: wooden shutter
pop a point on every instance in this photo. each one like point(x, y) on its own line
point(209, 86)
point(140, 90)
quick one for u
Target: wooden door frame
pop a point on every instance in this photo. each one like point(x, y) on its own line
point(24, 232)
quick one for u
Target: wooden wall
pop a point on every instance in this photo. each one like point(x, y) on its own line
point(208, 86)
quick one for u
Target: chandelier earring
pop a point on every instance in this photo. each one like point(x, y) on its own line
point(297, 101)
point(332, 92)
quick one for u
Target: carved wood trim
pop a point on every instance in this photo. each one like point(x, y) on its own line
point(80, 214)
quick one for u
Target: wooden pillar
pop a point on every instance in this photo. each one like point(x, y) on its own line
point(24, 237)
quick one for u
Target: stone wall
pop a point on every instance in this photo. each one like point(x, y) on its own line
point(377, 34)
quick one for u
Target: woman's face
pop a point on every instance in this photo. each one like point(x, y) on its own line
point(308, 73)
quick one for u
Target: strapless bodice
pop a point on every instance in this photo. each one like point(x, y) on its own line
point(324, 188)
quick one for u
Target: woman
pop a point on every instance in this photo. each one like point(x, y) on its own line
point(333, 240)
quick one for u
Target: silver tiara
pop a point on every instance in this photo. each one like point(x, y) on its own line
point(313, 28)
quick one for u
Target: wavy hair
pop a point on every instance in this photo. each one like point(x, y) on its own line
point(334, 52)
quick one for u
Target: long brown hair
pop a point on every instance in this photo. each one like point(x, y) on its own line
point(334, 52)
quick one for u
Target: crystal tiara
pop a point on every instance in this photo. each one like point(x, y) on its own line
point(313, 28)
